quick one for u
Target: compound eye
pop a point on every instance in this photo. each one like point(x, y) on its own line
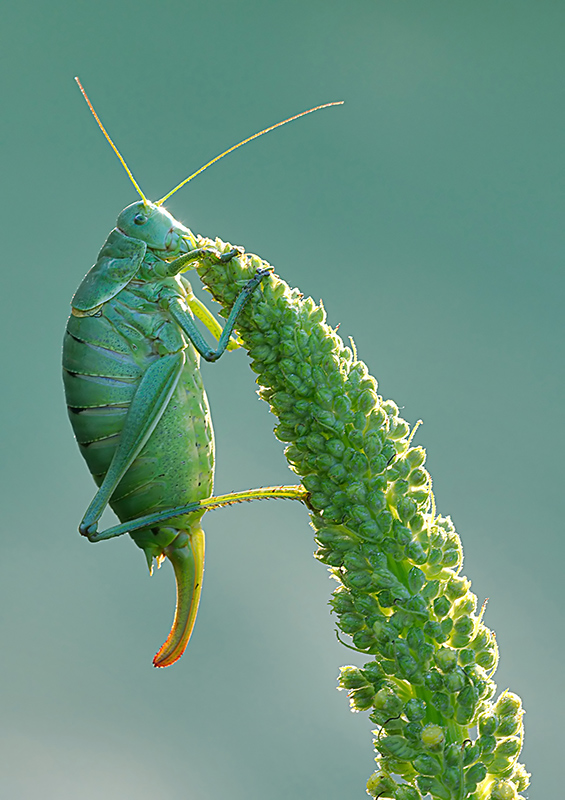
point(140, 219)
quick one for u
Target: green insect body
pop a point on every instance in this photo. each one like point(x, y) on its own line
point(131, 375)
point(131, 358)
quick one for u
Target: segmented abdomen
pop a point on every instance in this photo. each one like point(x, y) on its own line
point(103, 363)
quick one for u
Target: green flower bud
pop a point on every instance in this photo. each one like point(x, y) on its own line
point(418, 477)
point(351, 678)
point(381, 785)
point(464, 626)
point(433, 680)
point(396, 746)
point(508, 748)
point(363, 639)
point(434, 787)
point(361, 699)
point(406, 508)
point(467, 698)
point(433, 630)
point(416, 456)
point(452, 777)
point(416, 553)
point(508, 704)
point(358, 580)
point(446, 659)
point(459, 640)
point(457, 587)
point(487, 743)
point(498, 765)
point(520, 777)
point(433, 736)
point(415, 709)
point(503, 790)
point(453, 755)
point(373, 672)
point(442, 606)
point(487, 659)
point(442, 703)
point(338, 474)
point(455, 680)
point(434, 556)
point(388, 702)
point(355, 560)
point(427, 765)
point(406, 792)
point(471, 753)
point(475, 774)
point(417, 523)
point(370, 531)
point(400, 430)
point(488, 723)
point(412, 732)
point(386, 598)
point(509, 726)
point(466, 657)
point(421, 496)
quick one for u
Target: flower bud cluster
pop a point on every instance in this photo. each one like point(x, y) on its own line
point(400, 595)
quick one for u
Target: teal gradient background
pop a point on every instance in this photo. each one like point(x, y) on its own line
point(428, 213)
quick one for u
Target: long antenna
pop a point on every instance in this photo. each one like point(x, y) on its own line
point(112, 145)
point(231, 149)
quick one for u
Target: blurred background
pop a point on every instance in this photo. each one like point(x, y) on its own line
point(427, 212)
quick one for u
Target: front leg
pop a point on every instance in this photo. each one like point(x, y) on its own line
point(184, 262)
point(188, 326)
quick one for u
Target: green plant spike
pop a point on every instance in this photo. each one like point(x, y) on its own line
point(428, 683)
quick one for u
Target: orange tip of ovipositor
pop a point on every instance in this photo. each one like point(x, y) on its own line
point(188, 566)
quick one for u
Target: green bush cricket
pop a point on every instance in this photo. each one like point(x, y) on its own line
point(134, 392)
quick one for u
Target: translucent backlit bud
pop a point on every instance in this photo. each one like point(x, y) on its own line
point(380, 785)
point(418, 477)
point(351, 678)
point(520, 777)
point(416, 456)
point(503, 790)
point(432, 736)
point(509, 747)
point(457, 587)
point(508, 704)
point(509, 726)
point(361, 699)
point(445, 659)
